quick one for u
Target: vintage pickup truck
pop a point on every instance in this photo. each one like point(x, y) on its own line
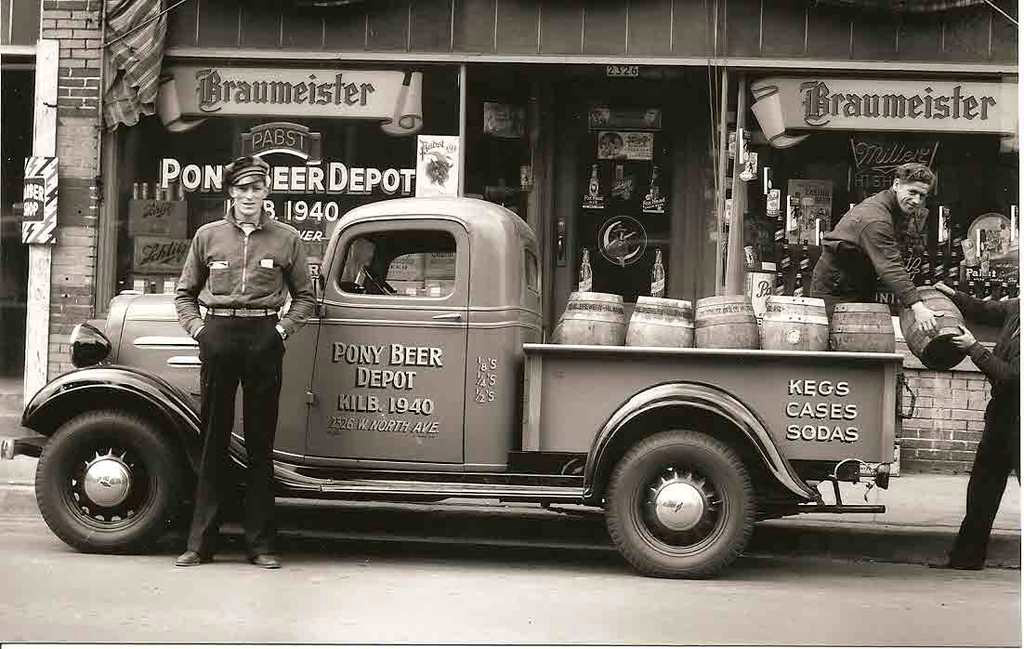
point(423, 377)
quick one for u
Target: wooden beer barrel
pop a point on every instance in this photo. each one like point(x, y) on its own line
point(862, 327)
point(794, 324)
point(725, 322)
point(592, 319)
point(660, 322)
point(937, 351)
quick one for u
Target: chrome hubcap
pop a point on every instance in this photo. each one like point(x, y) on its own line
point(107, 480)
point(679, 503)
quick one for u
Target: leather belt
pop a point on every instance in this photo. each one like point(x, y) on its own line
point(240, 313)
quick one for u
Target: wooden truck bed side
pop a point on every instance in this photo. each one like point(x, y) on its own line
point(816, 406)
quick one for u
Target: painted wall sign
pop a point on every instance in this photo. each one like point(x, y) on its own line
point(283, 137)
point(392, 97)
point(40, 200)
point(884, 105)
point(821, 410)
point(437, 165)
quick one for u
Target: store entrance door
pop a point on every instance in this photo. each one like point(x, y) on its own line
point(17, 87)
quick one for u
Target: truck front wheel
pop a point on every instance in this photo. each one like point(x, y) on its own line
point(108, 482)
point(680, 504)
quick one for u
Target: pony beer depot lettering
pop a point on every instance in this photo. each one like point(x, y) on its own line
point(384, 368)
point(819, 417)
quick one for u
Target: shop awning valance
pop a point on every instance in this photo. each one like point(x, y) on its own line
point(135, 33)
point(903, 6)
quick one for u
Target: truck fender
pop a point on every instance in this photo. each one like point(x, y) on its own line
point(704, 397)
point(119, 387)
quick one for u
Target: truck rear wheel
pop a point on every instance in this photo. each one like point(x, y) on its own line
point(108, 482)
point(680, 504)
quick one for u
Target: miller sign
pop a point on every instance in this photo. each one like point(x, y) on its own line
point(884, 105)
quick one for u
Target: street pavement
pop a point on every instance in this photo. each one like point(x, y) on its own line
point(437, 593)
point(923, 514)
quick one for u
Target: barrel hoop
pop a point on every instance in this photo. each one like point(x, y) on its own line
point(803, 319)
point(666, 312)
point(584, 306)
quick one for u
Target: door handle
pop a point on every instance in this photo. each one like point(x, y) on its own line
point(454, 317)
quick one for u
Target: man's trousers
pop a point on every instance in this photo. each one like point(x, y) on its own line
point(998, 454)
point(233, 351)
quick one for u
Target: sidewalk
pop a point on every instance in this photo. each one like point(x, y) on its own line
point(922, 517)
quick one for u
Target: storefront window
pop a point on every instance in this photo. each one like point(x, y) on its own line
point(323, 165)
point(965, 236)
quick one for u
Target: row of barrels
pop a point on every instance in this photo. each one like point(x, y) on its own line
point(728, 322)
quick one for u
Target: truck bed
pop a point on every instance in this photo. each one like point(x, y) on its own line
point(824, 406)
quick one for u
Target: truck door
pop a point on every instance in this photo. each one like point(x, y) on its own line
point(389, 370)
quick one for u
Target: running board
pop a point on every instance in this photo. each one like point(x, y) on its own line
point(363, 487)
point(840, 509)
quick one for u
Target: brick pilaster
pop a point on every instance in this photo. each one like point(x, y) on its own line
point(77, 25)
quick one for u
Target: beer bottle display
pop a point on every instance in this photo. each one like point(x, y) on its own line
point(586, 275)
point(798, 284)
point(657, 275)
point(1012, 289)
point(940, 265)
point(594, 186)
point(926, 270)
point(1004, 291)
point(986, 290)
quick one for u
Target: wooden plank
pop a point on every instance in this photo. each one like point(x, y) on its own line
point(650, 27)
point(182, 24)
point(783, 28)
point(388, 25)
point(474, 25)
point(44, 143)
point(874, 36)
point(692, 27)
point(604, 27)
point(345, 28)
point(261, 25)
point(561, 27)
point(828, 32)
point(966, 37)
point(431, 28)
point(920, 36)
point(517, 27)
point(20, 20)
point(219, 23)
point(303, 28)
point(531, 420)
point(1005, 38)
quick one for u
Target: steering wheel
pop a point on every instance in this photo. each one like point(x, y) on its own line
point(381, 286)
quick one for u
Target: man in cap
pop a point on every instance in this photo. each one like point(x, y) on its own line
point(863, 246)
point(240, 269)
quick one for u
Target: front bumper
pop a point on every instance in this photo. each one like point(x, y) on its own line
point(31, 446)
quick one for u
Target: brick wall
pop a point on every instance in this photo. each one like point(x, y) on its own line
point(942, 433)
point(77, 25)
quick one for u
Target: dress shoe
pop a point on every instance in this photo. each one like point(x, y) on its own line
point(192, 558)
point(950, 565)
point(265, 560)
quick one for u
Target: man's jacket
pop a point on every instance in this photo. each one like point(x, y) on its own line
point(228, 269)
point(862, 248)
point(1002, 364)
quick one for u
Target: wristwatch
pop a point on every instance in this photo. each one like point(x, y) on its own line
point(280, 330)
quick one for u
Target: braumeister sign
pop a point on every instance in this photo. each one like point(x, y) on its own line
point(884, 105)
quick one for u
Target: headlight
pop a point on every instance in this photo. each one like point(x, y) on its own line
point(88, 345)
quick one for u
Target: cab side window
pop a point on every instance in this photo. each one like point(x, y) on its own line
point(410, 263)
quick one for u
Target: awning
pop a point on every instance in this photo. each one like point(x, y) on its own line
point(133, 59)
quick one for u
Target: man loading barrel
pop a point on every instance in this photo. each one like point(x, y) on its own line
point(863, 247)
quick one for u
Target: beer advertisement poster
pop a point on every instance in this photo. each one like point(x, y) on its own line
point(437, 165)
point(809, 209)
point(625, 145)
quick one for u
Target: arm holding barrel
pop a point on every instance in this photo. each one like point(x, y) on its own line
point(878, 240)
point(993, 313)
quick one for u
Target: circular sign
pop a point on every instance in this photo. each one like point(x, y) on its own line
point(622, 240)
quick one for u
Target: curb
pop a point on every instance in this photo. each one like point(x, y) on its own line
point(500, 525)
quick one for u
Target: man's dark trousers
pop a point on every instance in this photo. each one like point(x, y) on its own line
point(998, 454)
point(237, 350)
